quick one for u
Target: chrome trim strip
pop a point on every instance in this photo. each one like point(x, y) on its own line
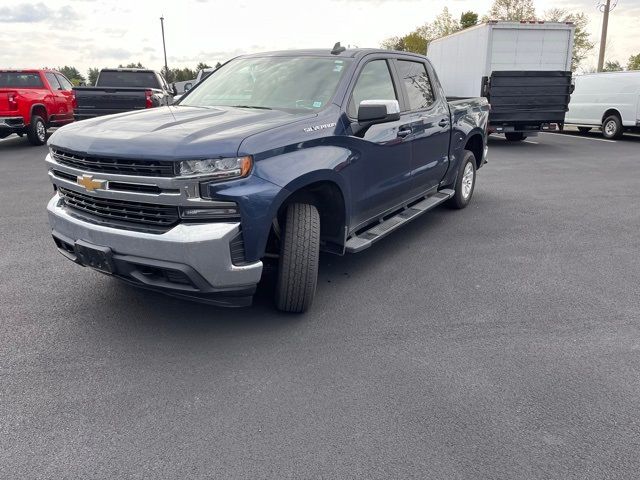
point(186, 191)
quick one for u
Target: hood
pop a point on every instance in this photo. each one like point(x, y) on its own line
point(171, 132)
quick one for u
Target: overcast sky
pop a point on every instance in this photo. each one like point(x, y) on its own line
point(105, 33)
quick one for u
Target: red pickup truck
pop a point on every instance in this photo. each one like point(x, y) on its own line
point(32, 101)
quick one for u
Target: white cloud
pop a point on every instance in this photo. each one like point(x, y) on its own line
point(100, 33)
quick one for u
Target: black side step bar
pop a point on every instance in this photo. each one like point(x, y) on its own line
point(365, 239)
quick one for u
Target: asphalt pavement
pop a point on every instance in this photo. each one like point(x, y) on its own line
point(497, 342)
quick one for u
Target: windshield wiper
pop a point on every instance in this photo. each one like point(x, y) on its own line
point(251, 106)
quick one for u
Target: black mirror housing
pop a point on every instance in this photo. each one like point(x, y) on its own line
point(378, 111)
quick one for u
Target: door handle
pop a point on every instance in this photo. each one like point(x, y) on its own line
point(403, 132)
point(444, 122)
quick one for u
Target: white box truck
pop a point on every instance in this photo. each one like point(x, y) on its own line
point(609, 101)
point(523, 68)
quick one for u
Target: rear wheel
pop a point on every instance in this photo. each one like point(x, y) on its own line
point(465, 183)
point(299, 256)
point(584, 129)
point(515, 136)
point(37, 131)
point(612, 127)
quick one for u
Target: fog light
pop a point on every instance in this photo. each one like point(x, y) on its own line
point(218, 210)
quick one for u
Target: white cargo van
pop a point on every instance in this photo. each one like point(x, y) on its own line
point(523, 68)
point(610, 101)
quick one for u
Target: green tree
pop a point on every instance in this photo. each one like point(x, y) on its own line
point(468, 19)
point(582, 43)
point(92, 75)
point(202, 66)
point(634, 62)
point(168, 75)
point(512, 10)
point(444, 24)
point(72, 73)
point(131, 65)
point(418, 40)
point(612, 66)
point(218, 65)
point(182, 74)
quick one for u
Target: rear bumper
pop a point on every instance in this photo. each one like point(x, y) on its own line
point(189, 261)
point(11, 124)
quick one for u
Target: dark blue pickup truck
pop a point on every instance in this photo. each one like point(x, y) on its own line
point(274, 156)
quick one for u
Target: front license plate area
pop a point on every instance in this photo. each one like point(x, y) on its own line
point(94, 256)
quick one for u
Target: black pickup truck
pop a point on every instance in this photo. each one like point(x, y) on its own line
point(122, 90)
point(274, 155)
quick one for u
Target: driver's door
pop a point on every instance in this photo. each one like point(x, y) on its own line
point(381, 177)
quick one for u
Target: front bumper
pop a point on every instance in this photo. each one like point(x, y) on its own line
point(190, 260)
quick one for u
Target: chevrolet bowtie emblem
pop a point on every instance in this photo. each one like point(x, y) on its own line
point(89, 183)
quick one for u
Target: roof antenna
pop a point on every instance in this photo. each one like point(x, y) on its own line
point(337, 49)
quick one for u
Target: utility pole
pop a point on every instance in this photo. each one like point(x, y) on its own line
point(603, 37)
point(164, 47)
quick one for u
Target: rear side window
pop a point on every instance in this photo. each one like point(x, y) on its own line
point(128, 79)
point(53, 81)
point(20, 80)
point(416, 83)
point(66, 84)
point(374, 83)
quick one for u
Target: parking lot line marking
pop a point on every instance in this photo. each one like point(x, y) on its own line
point(581, 138)
point(532, 142)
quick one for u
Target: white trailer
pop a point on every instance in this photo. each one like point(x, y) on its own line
point(610, 101)
point(523, 68)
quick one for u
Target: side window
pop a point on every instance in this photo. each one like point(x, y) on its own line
point(53, 81)
point(416, 83)
point(374, 83)
point(66, 84)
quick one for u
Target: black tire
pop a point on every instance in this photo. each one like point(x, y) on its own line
point(299, 256)
point(37, 131)
point(515, 136)
point(612, 127)
point(459, 199)
point(584, 129)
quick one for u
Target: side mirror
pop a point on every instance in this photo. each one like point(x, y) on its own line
point(174, 89)
point(188, 86)
point(378, 111)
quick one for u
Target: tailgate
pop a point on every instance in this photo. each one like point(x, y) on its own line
point(4, 101)
point(528, 96)
point(111, 98)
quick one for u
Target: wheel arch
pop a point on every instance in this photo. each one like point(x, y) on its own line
point(475, 144)
point(609, 112)
point(328, 195)
point(41, 110)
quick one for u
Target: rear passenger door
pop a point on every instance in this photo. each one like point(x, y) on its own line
point(57, 107)
point(428, 120)
point(66, 92)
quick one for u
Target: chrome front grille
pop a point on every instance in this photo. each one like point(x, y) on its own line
point(119, 212)
point(122, 166)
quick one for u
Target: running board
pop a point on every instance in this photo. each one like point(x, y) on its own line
point(380, 230)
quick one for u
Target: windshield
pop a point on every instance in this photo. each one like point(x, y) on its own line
point(288, 83)
point(19, 79)
point(127, 79)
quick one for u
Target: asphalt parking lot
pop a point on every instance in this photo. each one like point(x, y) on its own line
point(500, 342)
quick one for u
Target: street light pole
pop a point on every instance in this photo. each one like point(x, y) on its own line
point(164, 47)
point(603, 37)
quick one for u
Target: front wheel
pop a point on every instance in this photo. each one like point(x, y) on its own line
point(37, 131)
point(299, 257)
point(465, 183)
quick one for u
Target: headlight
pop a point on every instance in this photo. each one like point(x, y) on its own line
point(216, 167)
